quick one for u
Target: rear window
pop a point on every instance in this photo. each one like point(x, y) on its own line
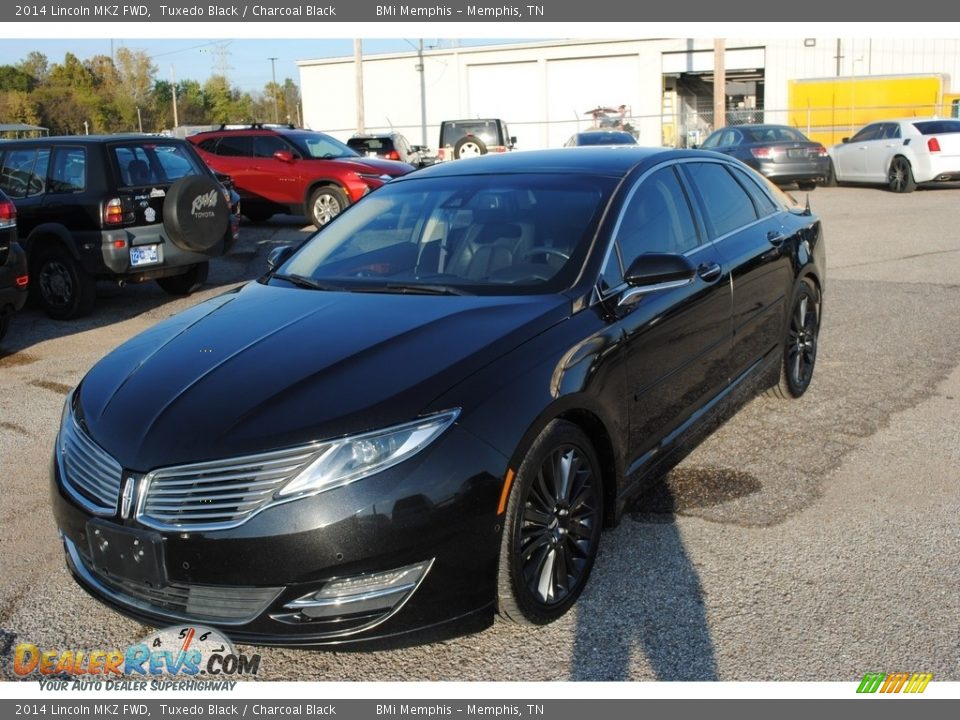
point(486, 130)
point(937, 127)
point(153, 163)
point(370, 144)
point(773, 134)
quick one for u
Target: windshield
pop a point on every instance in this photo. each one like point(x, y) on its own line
point(478, 234)
point(318, 145)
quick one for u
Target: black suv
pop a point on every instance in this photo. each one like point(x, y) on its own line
point(13, 265)
point(471, 138)
point(127, 208)
point(391, 146)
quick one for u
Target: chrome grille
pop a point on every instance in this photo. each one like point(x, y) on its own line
point(221, 493)
point(88, 471)
point(227, 604)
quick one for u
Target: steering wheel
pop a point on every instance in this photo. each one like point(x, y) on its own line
point(544, 250)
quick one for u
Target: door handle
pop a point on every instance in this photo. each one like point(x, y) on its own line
point(709, 271)
point(775, 238)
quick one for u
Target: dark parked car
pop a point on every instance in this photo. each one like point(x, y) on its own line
point(288, 170)
point(128, 208)
point(429, 410)
point(781, 153)
point(13, 265)
point(600, 137)
point(461, 139)
point(391, 146)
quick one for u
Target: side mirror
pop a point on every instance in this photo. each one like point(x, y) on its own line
point(283, 156)
point(695, 146)
point(513, 140)
point(845, 140)
point(278, 256)
point(658, 271)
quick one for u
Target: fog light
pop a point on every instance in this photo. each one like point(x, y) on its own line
point(383, 592)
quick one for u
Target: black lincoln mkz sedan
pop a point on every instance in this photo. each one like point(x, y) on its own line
point(429, 410)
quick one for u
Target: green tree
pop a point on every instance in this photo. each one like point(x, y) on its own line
point(14, 78)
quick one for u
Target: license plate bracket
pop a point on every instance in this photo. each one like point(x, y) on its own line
point(126, 553)
point(144, 255)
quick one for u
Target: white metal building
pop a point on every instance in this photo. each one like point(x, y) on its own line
point(545, 90)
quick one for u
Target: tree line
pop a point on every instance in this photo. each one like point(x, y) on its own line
point(122, 94)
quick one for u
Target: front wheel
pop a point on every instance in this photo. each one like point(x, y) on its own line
point(831, 178)
point(552, 527)
point(800, 345)
point(900, 178)
point(325, 204)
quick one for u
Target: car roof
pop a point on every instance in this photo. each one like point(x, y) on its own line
point(608, 160)
point(94, 139)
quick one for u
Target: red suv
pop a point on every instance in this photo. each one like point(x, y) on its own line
point(289, 170)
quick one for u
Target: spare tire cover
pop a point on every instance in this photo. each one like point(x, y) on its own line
point(195, 213)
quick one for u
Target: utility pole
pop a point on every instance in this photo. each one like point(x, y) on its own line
point(358, 64)
point(423, 95)
point(173, 87)
point(273, 72)
point(719, 85)
point(139, 119)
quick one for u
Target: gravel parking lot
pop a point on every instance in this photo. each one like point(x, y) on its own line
point(809, 540)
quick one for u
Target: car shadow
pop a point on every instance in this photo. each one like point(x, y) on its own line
point(644, 570)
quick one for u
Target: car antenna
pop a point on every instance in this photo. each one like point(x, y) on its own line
point(806, 210)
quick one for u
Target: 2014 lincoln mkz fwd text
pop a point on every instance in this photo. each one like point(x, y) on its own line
point(428, 411)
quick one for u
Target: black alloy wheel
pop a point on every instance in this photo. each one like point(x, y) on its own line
point(800, 348)
point(831, 179)
point(900, 177)
point(553, 522)
point(63, 288)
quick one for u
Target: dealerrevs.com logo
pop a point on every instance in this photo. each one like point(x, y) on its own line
point(187, 657)
point(911, 683)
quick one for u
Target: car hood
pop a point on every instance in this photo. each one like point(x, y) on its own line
point(392, 168)
point(265, 367)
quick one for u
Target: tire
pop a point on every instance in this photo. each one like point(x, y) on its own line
point(547, 530)
point(4, 325)
point(189, 282)
point(325, 204)
point(900, 176)
point(831, 179)
point(62, 288)
point(806, 186)
point(195, 213)
point(801, 340)
point(257, 215)
point(468, 147)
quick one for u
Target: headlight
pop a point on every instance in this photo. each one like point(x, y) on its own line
point(344, 461)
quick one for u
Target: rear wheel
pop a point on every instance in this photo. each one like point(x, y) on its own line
point(257, 214)
point(806, 186)
point(469, 147)
point(190, 281)
point(63, 288)
point(800, 345)
point(325, 204)
point(831, 178)
point(552, 526)
point(4, 325)
point(900, 178)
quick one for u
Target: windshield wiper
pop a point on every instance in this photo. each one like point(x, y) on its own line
point(308, 282)
point(418, 289)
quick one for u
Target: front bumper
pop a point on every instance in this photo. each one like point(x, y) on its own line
point(257, 582)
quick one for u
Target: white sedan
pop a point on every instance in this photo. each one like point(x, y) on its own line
point(899, 154)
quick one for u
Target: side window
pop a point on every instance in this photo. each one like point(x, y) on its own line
point(235, 146)
point(657, 218)
point(727, 204)
point(264, 146)
point(69, 170)
point(765, 206)
point(870, 132)
point(24, 172)
point(209, 145)
point(891, 131)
